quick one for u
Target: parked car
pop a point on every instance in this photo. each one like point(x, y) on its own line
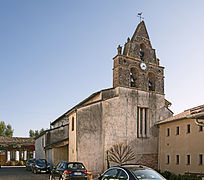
point(68, 170)
point(29, 164)
point(40, 166)
point(130, 172)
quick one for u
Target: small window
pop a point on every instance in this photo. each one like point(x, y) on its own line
point(43, 142)
point(142, 120)
point(188, 159)
point(177, 130)
point(177, 159)
point(168, 131)
point(200, 128)
point(151, 81)
point(168, 159)
point(188, 128)
point(200, 159)
point(142, 52)
point(72, 123)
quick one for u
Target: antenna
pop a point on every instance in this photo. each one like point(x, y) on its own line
point(140, 16)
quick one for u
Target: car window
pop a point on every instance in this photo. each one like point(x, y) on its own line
point(147, 174)
point(122, 174)
point(58, 165)
point(63, 165)
point(76, 166)
point(110, 174)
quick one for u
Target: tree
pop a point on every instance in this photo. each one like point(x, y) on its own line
point(9, 131)
point(2, 128)
point(5, 131)
point(34, 134)
point(31, 133)
point(42, 130)
point(121, 153)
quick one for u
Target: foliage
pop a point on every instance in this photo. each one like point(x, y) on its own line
point(170, 176)
point(34, 134)
point(121, 153)
point(5, 130)
point(16, 163)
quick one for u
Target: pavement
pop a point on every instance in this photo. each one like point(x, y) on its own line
point(19, 173)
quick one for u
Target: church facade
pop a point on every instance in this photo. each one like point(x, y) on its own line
point(126, 113)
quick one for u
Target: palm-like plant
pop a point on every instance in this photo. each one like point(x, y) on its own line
point(120, 153)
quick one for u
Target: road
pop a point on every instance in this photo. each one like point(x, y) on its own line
point(19, 173)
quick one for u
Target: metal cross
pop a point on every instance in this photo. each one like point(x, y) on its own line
point(140, 16)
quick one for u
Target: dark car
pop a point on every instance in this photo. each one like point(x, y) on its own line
point(29, 164)
point(40, 166)
point(130, 172)
point(68, 170)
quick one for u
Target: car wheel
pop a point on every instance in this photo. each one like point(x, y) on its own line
point(35, 171)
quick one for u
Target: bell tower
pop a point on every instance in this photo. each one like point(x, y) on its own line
point(136, 65)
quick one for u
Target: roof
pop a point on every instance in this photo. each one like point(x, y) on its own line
point(193, 113)
point(17, 141)
point(79, 105)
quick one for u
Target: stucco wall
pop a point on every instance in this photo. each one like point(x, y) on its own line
point(120, 122)
point(90, 137)
point(59, 154)
point(39, 147)
point(183, 144)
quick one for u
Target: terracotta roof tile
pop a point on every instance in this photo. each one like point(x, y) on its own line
point(17, 140)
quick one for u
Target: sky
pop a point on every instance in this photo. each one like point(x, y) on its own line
point(55, 53)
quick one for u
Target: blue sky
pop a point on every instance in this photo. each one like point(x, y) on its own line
point(55, 53)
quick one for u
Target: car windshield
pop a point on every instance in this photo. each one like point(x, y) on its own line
point(76, 166)
point(41, 161)
point(147, 174)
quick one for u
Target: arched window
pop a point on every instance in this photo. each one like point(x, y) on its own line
point(142, 47)
point(151, 81)
point(133, 77)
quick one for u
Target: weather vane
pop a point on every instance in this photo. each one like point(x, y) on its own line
point(140, 16)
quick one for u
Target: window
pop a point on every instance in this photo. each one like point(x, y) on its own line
point(110, 174)
point(177, 130)
point(133, 77)
point(168, 159)
point(200, 159)
point(151, 81)
point(188, 128)
point(188, 159)
point(122, 175)
point(177, 159)
point(200, 128)
point(168, 131)
point(72, 123)
point(142, 122)
point(142, 52)
point(43, 142)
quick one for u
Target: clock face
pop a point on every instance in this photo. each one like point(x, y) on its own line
point(143, 66)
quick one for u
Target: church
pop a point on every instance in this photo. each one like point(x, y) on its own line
point(126, 113)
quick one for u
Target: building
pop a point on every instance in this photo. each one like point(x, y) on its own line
point(181, 147)
point(126, 113)
point(52, 144)
point(16, 149)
